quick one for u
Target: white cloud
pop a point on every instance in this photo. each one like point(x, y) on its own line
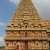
point(2, 24)
point(14, 1)
point(1, 39)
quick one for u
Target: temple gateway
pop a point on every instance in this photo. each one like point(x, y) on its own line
point(26, 30)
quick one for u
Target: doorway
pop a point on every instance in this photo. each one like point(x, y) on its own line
point(26, 45)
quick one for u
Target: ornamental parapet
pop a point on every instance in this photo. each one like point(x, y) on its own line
point(26, 29)
point(25, 38)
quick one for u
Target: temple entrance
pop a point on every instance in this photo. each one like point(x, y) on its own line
point(26, 42)
point(26, 45)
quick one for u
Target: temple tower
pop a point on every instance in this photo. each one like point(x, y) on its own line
point(26, 30)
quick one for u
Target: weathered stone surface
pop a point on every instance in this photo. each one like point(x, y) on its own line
point(27, 30)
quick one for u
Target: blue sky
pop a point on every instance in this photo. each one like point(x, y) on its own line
point(7, 8)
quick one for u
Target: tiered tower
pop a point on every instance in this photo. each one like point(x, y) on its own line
point(26, 30)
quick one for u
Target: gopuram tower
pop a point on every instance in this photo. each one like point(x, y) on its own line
point(26, 30)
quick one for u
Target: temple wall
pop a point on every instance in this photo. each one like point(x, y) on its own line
point(34, 44)
point(35, 34)
point(38, 45)
point(31, 45)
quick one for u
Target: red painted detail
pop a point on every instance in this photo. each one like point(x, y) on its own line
point(17, 48)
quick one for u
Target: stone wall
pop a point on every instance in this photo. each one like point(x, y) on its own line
point(31, 45)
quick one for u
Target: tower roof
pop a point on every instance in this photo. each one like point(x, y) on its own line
point(25, 17)
point(26, 9)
